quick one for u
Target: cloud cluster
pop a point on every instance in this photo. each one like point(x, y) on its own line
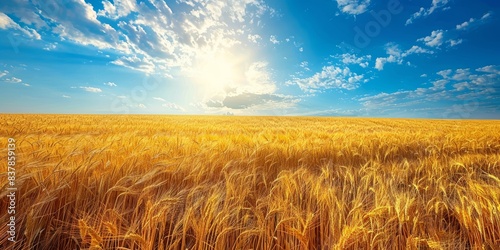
point(110, 84)
point(7, 23)
point(362, 61)
point(456, 86)
point(433, 40)
point(353, 7)
point(146, 35)
point(396, 55)
point(11, 79)
point(437, 38)
point(330, 77)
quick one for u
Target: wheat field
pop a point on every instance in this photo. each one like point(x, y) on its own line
point(207, 182)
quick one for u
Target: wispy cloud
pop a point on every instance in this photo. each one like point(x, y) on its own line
point(146, 36)
point(255, 38)
point(396, 55)
point(4, 73)
point(472, 22)
point(110, 84)
point(91, 89)
point(305, 65)
point(423, 12)
point(493, 69)
point(273, 39)
point(66, 96)
point(120, 8)
point(454, 43)
point(159, 99)
point(13, 80)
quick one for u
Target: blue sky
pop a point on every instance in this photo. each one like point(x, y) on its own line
point(427, 59)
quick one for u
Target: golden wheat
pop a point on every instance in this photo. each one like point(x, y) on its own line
point(179, 182)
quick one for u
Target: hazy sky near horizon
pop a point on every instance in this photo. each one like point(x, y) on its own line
point(390, 58)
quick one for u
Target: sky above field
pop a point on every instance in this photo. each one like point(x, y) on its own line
point(390, 58)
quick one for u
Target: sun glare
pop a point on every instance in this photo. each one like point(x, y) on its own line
point(216, 72)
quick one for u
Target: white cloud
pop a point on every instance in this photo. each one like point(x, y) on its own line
point(445, 73)
point(353, 7)
point(77, 21)
point(151, 38)
point(120, 8)
point(465, 24)
point(434, 40)
point(91, 89)
point(454, 43)
point(66, 96)
point(7, 23)
point(305, 65)
point(435, 5)
point(416, 50)
point(464, 79)
point(454, 87)
point(396, 55)
point(273, 39)
point(50, 46)
point(24, 11)
point(493, 69)
point(159, 99)
point(142, 106)
point(362, 61)
point(143, 64)
point(329, 78)
point(439, 84)
point(461, 75)
point(148, 36)
point(254, 38)
point(13, 80)
point(472, 21)
point(110, 84)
